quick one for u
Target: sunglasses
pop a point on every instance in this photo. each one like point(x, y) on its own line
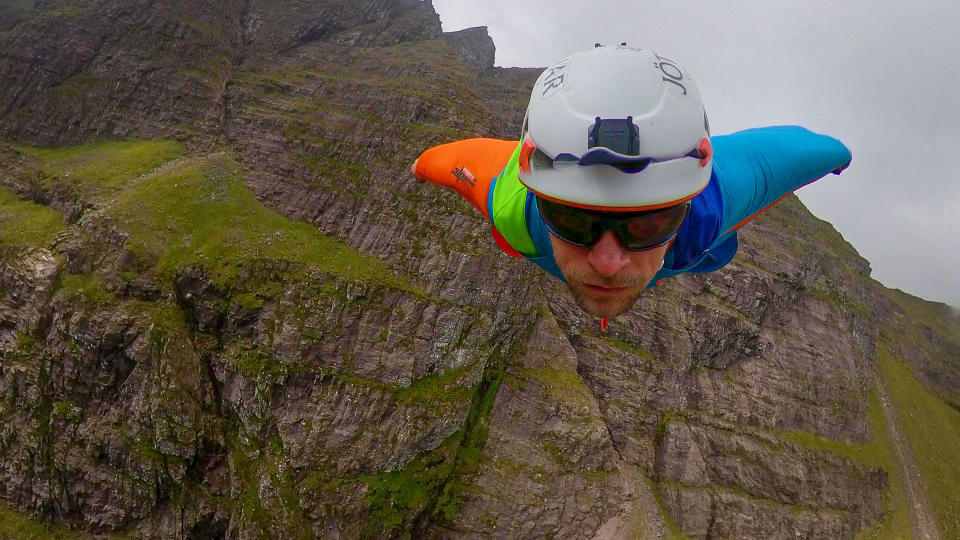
point(637, 231)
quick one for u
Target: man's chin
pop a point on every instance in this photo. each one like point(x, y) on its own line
point(608, 306)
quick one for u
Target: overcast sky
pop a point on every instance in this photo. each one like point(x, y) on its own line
point(883, 77)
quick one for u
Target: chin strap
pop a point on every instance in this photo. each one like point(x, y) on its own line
point(603, 324)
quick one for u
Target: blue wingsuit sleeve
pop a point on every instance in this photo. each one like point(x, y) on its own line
point(757, 167)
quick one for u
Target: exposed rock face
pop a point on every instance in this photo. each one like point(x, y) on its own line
point(144, 68)
point(474, 46)
point(26, 278)
point(418, 382)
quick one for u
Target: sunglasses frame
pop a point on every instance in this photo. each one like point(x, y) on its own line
point(609, 221)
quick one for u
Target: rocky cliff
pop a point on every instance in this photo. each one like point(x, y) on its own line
point(227, 310)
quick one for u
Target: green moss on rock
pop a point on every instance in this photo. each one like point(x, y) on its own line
point(396, 498)
point(89, 288)
point(25, 223)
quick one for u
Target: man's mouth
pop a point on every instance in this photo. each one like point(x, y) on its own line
point(600, 290)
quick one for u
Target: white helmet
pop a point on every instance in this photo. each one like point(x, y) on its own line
point(615, 128)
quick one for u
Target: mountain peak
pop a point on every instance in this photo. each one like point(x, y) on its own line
point(475, 47)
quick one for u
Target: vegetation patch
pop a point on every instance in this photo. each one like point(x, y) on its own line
point(245, 472)
point(432, 484)
point(256, 364)
point(476, 429)
point(431, 487)
point(89, 287)
point(333, 167)
point(250, 462)
point(14, 524)
point(895, 522)
point(927, 335)
point(717, 306)
point(877, 453)
point(67, 9)
point(79, 86)
point(198, 211)
point(564, 385)
point(166, 321)
point(933, 428)
point(212, 71)
point(396, 498)
point(25, 223)
point(444, 94)
point(440, 387)
point(642, 355)
point(251, 302)
point(934, 315)
point(203, 27)
point(673, 532)
point(837, 298)
point(666, 418)
point(102, 167)
point(626, 346)
point(437, 389)
point(14, 8)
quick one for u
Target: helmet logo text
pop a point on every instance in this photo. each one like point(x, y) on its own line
point(553, 78)
point(671, 73)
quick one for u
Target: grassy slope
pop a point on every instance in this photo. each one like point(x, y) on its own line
point(878, 453)
point(933, 428)
point(14, 524)
point(929, 415)
point(24, 223)
point(181, 210)
point(197, 211)
point(100, 168)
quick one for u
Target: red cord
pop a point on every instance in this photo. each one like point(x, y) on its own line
point(603, 324)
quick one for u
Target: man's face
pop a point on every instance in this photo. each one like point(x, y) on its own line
point(606, 279)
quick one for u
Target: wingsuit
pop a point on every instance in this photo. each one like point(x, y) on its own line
point(752, 170)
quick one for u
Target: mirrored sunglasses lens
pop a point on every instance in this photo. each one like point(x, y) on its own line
point(571, 224)
point(636, 231)
point(651, 229)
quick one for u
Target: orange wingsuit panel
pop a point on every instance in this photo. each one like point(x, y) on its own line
point(466, 166)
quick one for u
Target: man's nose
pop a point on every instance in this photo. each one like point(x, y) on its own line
point(608, 256)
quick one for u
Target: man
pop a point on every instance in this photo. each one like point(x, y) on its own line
point(616, 185)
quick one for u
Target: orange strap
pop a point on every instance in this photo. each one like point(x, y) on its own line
point(762, 210)
point(466, 166)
